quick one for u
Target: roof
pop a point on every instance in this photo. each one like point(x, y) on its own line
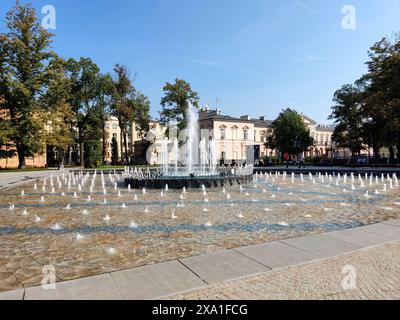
point(213, 115)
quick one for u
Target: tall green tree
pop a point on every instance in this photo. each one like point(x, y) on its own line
point(289, 133)
point(382, 93)
point(24, 61)
point(58, 113)
point(347, 113)
point(175, 102)
point(129, 106)
point(87, 97)
point(368, 112)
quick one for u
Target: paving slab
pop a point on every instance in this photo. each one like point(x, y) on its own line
point(276, 254)
point(100, 287)
point(359, 237)
point(156, 281)
point(389, 231)
point(12, 295)
point(223, 265)
point(395, 223)
point(322, 246)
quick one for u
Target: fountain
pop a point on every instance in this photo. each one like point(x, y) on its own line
point(194, 165)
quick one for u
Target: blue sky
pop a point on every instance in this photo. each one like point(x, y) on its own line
point(256, 56)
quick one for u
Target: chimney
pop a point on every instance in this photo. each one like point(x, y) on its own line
point(262, 118)
point(246, 117)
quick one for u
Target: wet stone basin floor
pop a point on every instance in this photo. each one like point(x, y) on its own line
point(83, 236)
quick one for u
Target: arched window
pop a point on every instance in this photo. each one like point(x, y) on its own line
point(246, 133)
point(223, 132)
point(235, 132)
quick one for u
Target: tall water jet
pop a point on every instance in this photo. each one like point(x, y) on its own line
point(192, 144)
point(203, 156)
point(176, 155)
point(164, 157)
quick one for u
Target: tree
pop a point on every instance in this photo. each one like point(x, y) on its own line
point(59, 114)
point(114, 152)
point(368, 112)
point(382, 93)
point(175, 102)
point(87, 96)
point(347, 112)
point(288, 133)
point(24, 61)
point(92, 153)
point(129, 106)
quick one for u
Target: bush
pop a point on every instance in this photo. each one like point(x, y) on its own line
point(92, 153)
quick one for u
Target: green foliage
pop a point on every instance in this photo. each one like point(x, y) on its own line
point(128, 105)
point(6, 148)
point(114, 152)
point(288, 133)
point(25, 66)
point(175, 102)
point(347, 112)
point(92, 153)
point(368, 113)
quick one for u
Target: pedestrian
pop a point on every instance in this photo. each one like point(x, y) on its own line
point(286, 157)
point(301, 161)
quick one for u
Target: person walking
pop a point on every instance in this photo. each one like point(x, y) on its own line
point(301, 160)
point(286, 158)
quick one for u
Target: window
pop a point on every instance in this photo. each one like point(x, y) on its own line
point(107, 125)
point(235, 132)
point(223, 155)
point(115, 135)
point(263, 136)
point(223, 132)
point(246, 133)
point(114, 126)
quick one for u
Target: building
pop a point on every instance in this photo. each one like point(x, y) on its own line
point(234, 136)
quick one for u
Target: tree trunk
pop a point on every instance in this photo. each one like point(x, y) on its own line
point(121, 144)
point(81, 154)
point(81, 149)
point(21, 157)
point(398, 149)
point(104, 143)
point(391, 153)
point(126, 150)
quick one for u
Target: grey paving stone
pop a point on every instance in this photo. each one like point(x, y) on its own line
point(395, 223)
point(100, 287)
point(389, 231)
point(322, 246)
point(156, 281)
point(359, 237)
point(276, 254)
point(12, 295)
point(222, 266)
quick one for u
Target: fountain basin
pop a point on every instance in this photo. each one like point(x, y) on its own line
point(189, 181)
